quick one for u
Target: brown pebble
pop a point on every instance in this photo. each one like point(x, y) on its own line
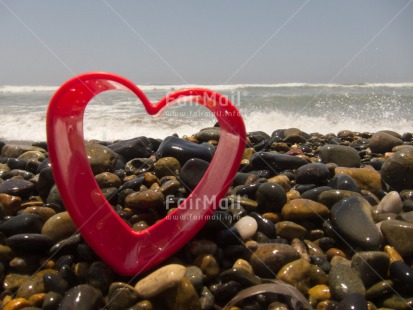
point(304, 209)
point(394, 255)
point(10, 204)
point(293, 194)
point(107, 179)
point(16, 304)
point(44, 212)
point(333, 252)
point(208, 264)
point(36, 300)
point(281, 180)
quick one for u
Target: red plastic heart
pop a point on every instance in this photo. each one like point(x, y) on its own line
point(126, 251)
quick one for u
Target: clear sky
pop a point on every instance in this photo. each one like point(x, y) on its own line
point(207, 42)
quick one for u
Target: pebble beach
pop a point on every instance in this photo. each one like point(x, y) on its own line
point(311, 221)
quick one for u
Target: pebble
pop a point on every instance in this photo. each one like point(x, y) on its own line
point(313, 193)
point(270, 197)
point(276, 162)
point(290, 230)
point(15, 150)
point(21, 224)
point(17, 187)
point(51, 301)
point(366, 178)
point(60, 226)
point(167, 166)
point(371, 265)
point(44, 212)
point(107, 179)
point(145, 200)
point(203, 246)
point(391, 203)
point(240, 276)
point(399, 234)
point(382, 142)
point(402, 274)
point(82, 296)
point(160, 280)
point(34, 284)
point(304, 209)
point(297, 273)
point(397, 170)
point(137, 166)
point(195, 276)
point(398, 302)
point(184, 296)
point(344, 182)
point(379, 289)
point(312, 174)
point(208, 264)
point(121, 296)
point(140, 147)
point(183, 150)
point(265, 225)
point(192, 172)
point(343, 156)
point(343, 280)
point(330, 197)
point(27, 243)
point(208, 134)
point(100, 157)
point(352, 218)
point(353, 301)
point(206, 299)
point(246, 226)
point(268, 259)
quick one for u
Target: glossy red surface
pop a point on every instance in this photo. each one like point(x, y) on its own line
point(126, 251)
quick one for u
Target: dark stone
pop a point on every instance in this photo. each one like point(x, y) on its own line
point(371, 266)
point(140, 147)
point(343, 156)
point(382, 142)
point(312, 174)
point(226, 291)
point(17, 187)
point(257, 136)
point(55, 283)
point(313, 193)
point(271, 197)
point(344, 182)
point(45, 182)
point(67, 273)
point(83, 296)
point(265, 226)
point(26, 175)
point(66, 246)
point(248, 190)
point(27, 243)
point(219, 220)
point(192, 172)
point(51, 301)
point(402, 275)
point(397, 171)
point(208, 134)
point(353, 301)
point(134, 184)
point(343, 280)
point(352, 217)
point(399, 234)
point(22, 224)
point(229, 236)
point(240, 276)
point(44, 164)
point(276, 162)
point(139, 165)
point(183, 150)
point(100, 276)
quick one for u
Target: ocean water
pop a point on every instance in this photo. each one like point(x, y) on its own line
point(323, 108)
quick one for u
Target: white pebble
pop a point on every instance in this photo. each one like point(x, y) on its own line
point(391, 203)
point(247, 227)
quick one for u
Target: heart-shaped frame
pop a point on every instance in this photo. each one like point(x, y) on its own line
point(126, 251)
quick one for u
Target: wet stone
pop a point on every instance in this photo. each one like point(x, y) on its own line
point(167, 166)
point(27, 243)
point(265, 225)
point(107, 179)
point(226, 292)
point(297, 273)
point(330, 197)
point(398, 302)
point(402, 275)
point(144, 200)
point(343, 156)
point(290, 230)
point(184, 296)
point(195, 276)
point(276, 162)
point(343, 280)
point(60, 226)
point(304, 209)
point(121, 296)
point(140, 147)
point(45, 182)
point(206, 299)
point(246, 226)
point(82, 296)
point(51, 301)
point(382, 142)
point(399, 234)
point(397, 171)
point(372, 266)
point(366, 178)
point(391, 203)
point(208, 134)
point(34, 285)
point(100, 157)
point(312, 174)
point(192, 172)
point(313, 193)
point(21, 224)
point(55, 283)
point(100, 276)
point(16, 187)
point(352, 218)
point(379, 289)
point(353, 301)
point(240, 276)
point(270, 197)
point(344, 182)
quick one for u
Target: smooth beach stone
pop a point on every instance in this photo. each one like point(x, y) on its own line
point(297, 273)
point(343, 156)
point(160, 280)
point(241, 276)
point(257, 136)
point(184, 296)
point(166, 166)
point(100, 276)
point(139, 165)
point(21, 224)
point(12, 281)
point(183, 150)
point(265, 225)
point(246, 204)
point(301, 248)
point(391, 203)
point(44, 212)
point(83, 296)
point(121, 296)
point(330, 197)
point(281, 180)
point(17, 303)
point(319, 292)
point(51, 301)
point(226, 291)
point(366, 178)
point(379, 289)
point(343, 280)
point(140, 147)
point(372, 266)
point(246, 226)
point(219, 220)
point(107, 179)
point(170, 187)
point(16, 187)
point(312, 174)
point(9, 204)
point(207, 134)
point(19, 173)
point(304, 209)
point(247, 190)
point(290, 230)
point(206, 299)
point(402, 274)
point(34, 284)
point(45, 182)
point(397, 171)
point(313, 193)
point(100, 157)
point(4, 171)
point(35, 155)
point(60, 226)
point(399, 234)
point(276, 162)
point(68, 245)
point(195, 276)
point(267, 259)
point(244, 265)
point(192, 172)
point(54, 197)
point(295, 138)
point(26, 243)
point(145, 200)
point(343, 182)
point(406, 217)
point(352, 218)
point(55, 283)
point(15, 150)
point(397, 302)
point(382, 142)
point(353, 301)
point(208, 264)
